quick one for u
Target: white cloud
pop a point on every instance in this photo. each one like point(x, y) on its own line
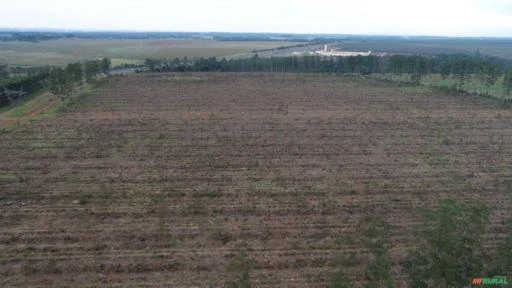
point(434, 17)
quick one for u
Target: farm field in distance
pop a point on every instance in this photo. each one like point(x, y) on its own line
point(492, 47)
point(161, 179)
point(64, 51)
point(135, 51)
point(412, 46)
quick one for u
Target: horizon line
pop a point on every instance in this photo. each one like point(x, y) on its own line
point(64, 30)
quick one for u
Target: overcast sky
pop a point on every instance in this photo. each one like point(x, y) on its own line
point(390, 17)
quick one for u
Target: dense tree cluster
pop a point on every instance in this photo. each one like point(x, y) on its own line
point(4, 72)
point(62, 81)
point(12, 89)
point(458, 67)
point(507, 80)
point(16, 82)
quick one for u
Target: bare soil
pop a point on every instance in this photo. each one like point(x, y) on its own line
point(155, 181)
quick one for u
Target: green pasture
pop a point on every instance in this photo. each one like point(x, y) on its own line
point(64, 51)
point(471, 85)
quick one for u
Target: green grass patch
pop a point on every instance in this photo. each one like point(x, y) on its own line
point(42, 105)
point(30, 103)
point(185, 78)
point(343, 241)
point(471, 85)
point(41, 145)
point(265, 186)
point(75, 99)
point(6, 176)
point(64, 51)
point(440, 160)
point(207, 194)
point(121, 61)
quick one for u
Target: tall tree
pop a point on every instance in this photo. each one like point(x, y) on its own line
point(4, 72)
point(507, 81)
point(396, 64)
point(446, 70)
point(75, 71)
point(459, 70)
point(91, 69)
point(105, 65)
point(492, 72)
point(61, 83)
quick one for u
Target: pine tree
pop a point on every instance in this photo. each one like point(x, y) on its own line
point(507, 81)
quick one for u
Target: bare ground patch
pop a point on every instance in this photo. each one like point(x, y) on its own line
point(160, 183)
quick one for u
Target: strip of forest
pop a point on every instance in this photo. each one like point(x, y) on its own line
point(16, 83)
point(461, 68)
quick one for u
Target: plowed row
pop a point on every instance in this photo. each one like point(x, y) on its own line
point(159, 180)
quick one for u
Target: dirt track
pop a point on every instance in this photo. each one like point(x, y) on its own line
point(12, 121)
point(159, 182)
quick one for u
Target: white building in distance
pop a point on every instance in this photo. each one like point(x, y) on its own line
point(332, 52)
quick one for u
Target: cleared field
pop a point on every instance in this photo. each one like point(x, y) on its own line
point(492, 47)
point(64, 51)
point(471, 85)
point(159, 180)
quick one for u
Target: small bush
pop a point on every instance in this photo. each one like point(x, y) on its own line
point(239, 269)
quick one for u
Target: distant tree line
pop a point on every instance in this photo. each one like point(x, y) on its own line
point(456, 66)
point(34, 36)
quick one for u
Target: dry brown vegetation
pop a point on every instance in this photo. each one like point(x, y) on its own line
point(160, 180)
